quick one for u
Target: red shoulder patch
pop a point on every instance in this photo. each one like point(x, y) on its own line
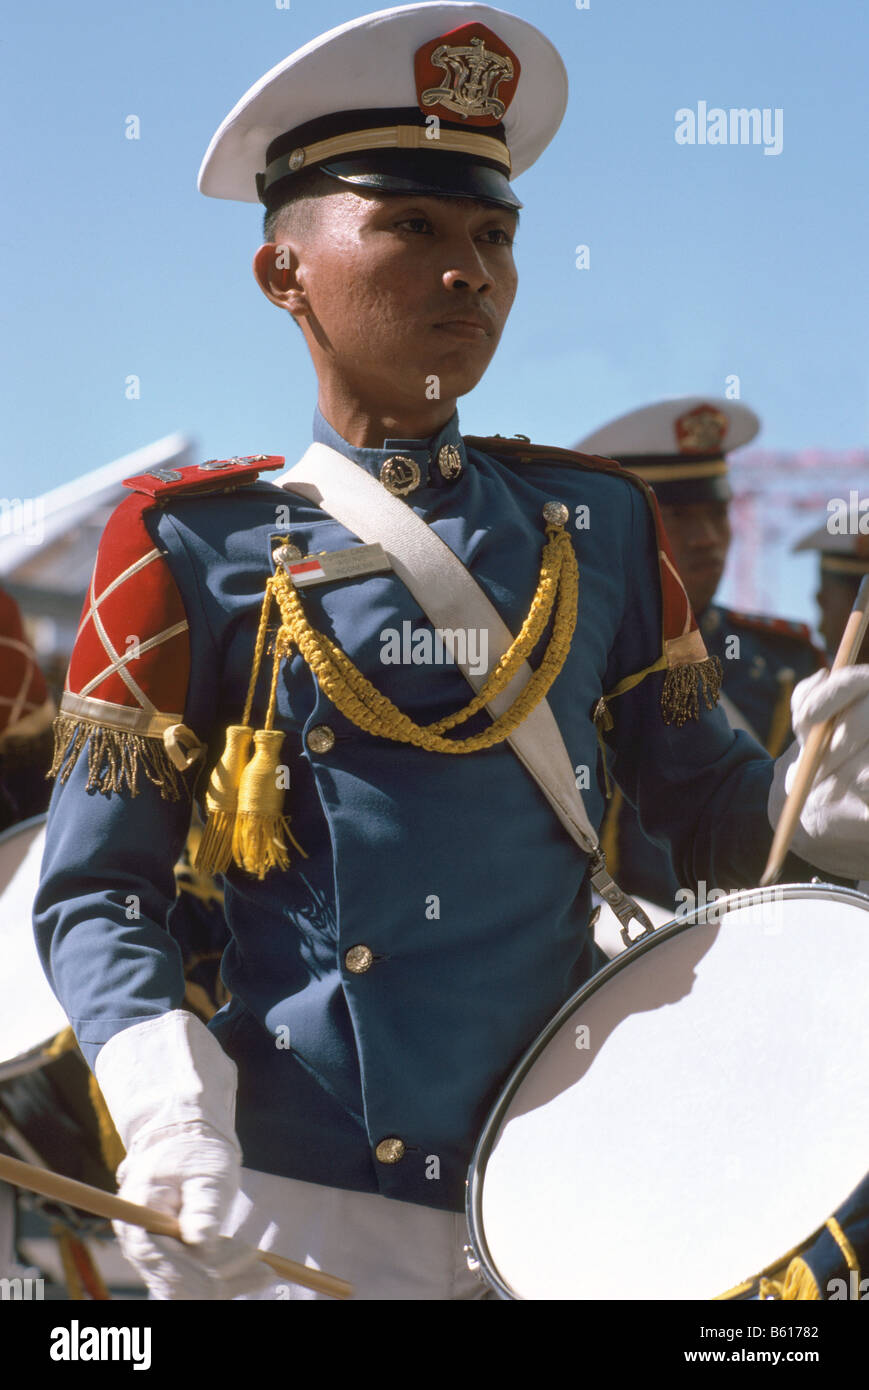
point(215, 475)
point(132, 650)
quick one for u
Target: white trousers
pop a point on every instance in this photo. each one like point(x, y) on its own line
point(385, 1249)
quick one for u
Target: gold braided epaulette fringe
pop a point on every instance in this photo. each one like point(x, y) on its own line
point(116, 757)
point(246, 823)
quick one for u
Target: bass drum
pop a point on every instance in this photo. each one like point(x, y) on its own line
point(691, 1115)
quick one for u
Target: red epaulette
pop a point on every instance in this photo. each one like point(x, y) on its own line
point(525, 452)
point(215, 475)
point(775, 627)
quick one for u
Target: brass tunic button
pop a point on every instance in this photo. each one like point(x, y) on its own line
point(389, 1151)
point(555, 513)
point(359, 959)
point(320, 739)
point(400, 475)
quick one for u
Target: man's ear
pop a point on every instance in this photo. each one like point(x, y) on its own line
point(276, 268)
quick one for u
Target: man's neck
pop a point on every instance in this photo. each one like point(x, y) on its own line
point(366, 425)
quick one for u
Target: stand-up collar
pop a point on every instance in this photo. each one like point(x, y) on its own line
point(404, 466)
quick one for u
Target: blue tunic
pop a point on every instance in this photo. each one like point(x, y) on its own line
point(453, 870)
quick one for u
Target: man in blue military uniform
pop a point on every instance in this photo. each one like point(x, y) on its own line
point(680, 447)
point(413, 912)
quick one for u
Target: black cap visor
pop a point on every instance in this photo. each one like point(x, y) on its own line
point(435, 174)
point(688, 490)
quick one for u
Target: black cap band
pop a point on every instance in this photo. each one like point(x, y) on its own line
point(383, 149)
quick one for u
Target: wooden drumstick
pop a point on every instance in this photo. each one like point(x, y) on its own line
point(817, 742)
point(106, 1204)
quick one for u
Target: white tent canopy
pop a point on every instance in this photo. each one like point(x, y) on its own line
point(48, 543)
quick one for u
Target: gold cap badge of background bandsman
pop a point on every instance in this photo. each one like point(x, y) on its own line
point(678, 446)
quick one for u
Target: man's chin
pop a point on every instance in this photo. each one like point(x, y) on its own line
point(441, 383)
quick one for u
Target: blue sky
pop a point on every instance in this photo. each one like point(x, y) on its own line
point(704, 261)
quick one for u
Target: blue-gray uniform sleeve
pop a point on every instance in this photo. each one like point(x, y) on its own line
point(107, 880)
point(99, 917)
point(700, 789)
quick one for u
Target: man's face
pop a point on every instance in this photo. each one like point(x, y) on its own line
point(700, 534)
point(404, 288)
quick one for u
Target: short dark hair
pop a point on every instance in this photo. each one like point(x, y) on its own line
point(291, 208)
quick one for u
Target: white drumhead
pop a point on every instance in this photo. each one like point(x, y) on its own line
point(718, 1116)
point(30, 1015)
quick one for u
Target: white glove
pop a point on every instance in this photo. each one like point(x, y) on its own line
point(170, 1089)
point(833, 833)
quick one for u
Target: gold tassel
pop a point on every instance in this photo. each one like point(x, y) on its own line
point(221, 801)
point(215, 850)
point(679, 698)
point(115, 758)
point(799, 1284)
point(258, 841)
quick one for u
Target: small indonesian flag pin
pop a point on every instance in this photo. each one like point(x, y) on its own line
point(331, 565)
point(305, 572)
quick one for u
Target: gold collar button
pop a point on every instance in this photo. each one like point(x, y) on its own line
point(400, 475)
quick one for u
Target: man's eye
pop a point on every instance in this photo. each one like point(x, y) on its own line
point(416, 224)
point(500, 232)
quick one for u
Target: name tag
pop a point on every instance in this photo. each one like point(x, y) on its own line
point(335, 564)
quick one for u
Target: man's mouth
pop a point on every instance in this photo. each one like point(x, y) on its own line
point(469, 328)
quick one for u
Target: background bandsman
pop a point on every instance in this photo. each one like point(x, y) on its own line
point(680, 448)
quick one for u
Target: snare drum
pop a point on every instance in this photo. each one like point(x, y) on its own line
point(692, 1114)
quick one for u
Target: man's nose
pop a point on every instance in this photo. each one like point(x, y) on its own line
point(468, 273)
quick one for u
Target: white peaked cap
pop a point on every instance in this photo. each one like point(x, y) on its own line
point(844, 546)
point(660, 429)
point(368, 64)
